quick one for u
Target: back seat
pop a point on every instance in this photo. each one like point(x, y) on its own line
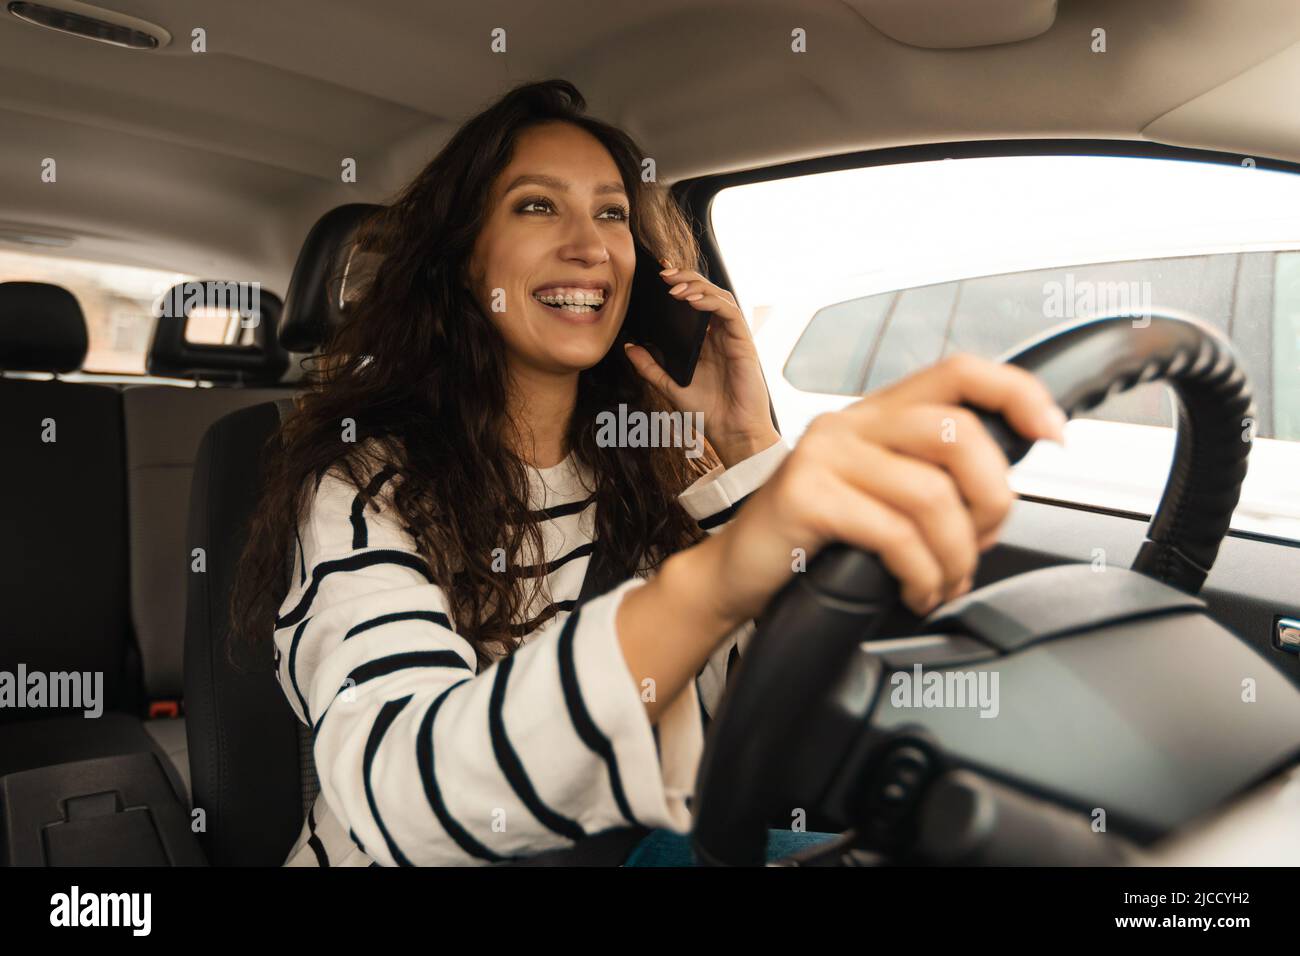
point(94, 575)
point(64, 583)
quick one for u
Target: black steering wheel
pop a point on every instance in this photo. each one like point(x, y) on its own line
point(807, 634)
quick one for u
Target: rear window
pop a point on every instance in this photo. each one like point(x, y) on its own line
point(853, 279)
point(117, 302)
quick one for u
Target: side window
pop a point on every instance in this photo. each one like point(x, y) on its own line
point(835, 350)
point(988, 315)
point(920, 323)
point(1286, 346)
point(864, 276)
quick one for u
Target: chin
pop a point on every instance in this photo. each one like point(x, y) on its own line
point(575, 362)
point(577, 356)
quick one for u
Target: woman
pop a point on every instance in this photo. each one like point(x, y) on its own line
point(442, 483)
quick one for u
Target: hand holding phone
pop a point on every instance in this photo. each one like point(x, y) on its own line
point(671, 330)
point(698, 351)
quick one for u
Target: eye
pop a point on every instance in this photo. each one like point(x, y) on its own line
point(622, 212)
point(534, 201)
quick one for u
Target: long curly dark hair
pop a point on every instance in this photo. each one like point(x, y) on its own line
point(422, 372)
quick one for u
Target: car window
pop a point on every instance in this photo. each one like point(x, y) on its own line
point(1285, 369)
point(912, 328)
point(117, 302)
point(856, 278)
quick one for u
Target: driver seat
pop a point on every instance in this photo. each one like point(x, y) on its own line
point(251, 761)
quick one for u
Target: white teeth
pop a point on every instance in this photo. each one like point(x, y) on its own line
point(590, 300)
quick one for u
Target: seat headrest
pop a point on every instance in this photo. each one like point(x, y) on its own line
point(264, 360)
point(313, 304)
point(41, 328)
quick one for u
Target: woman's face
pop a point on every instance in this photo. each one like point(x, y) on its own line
point(557, 226)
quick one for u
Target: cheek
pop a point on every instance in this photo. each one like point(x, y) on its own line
point(498, 274)
point(527, 333)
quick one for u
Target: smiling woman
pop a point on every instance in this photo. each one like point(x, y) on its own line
point(504, 630)
point(451, 335)
point(561, 187)
point(481, 354)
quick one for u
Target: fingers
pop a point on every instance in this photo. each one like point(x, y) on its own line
point(954, 439)
point(704, 296)
point(928, 497)
point(688, 284)
point(649, 369)
point(908, 474)
point(1020, 397)
point(849, 516)
point(987, 540)
point(704, 301)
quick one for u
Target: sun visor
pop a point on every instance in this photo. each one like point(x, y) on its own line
point(955, 24)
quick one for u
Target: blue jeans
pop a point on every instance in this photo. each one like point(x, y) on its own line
point(666, 848)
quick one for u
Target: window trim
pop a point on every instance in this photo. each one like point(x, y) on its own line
point(696, 194)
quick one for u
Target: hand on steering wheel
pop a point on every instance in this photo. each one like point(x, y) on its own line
point(906, 473)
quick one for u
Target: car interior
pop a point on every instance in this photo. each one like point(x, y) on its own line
point(191, 141)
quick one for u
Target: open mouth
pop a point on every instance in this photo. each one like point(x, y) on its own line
point(576, 303)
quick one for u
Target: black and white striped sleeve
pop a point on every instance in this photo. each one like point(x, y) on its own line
point(713, 500)
point(426, 761)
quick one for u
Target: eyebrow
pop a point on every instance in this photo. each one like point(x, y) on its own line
point(559, 184)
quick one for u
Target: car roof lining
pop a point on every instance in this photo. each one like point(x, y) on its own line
point(218, 163)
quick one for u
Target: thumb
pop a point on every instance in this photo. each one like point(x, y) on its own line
point(649, 369)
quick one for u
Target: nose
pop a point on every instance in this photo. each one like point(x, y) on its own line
point(584, 243)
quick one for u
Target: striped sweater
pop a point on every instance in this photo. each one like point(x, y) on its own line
point(424, 761)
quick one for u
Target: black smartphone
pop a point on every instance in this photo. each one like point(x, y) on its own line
point(671, 330)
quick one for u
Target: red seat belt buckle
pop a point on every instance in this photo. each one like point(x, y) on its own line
point(164, 708)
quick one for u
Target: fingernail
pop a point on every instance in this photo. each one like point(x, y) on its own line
point(695, 297)
point(1053, 422)
point(677, 288)
point(667, 272)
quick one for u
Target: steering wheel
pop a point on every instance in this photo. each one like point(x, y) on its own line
point(806, 636)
